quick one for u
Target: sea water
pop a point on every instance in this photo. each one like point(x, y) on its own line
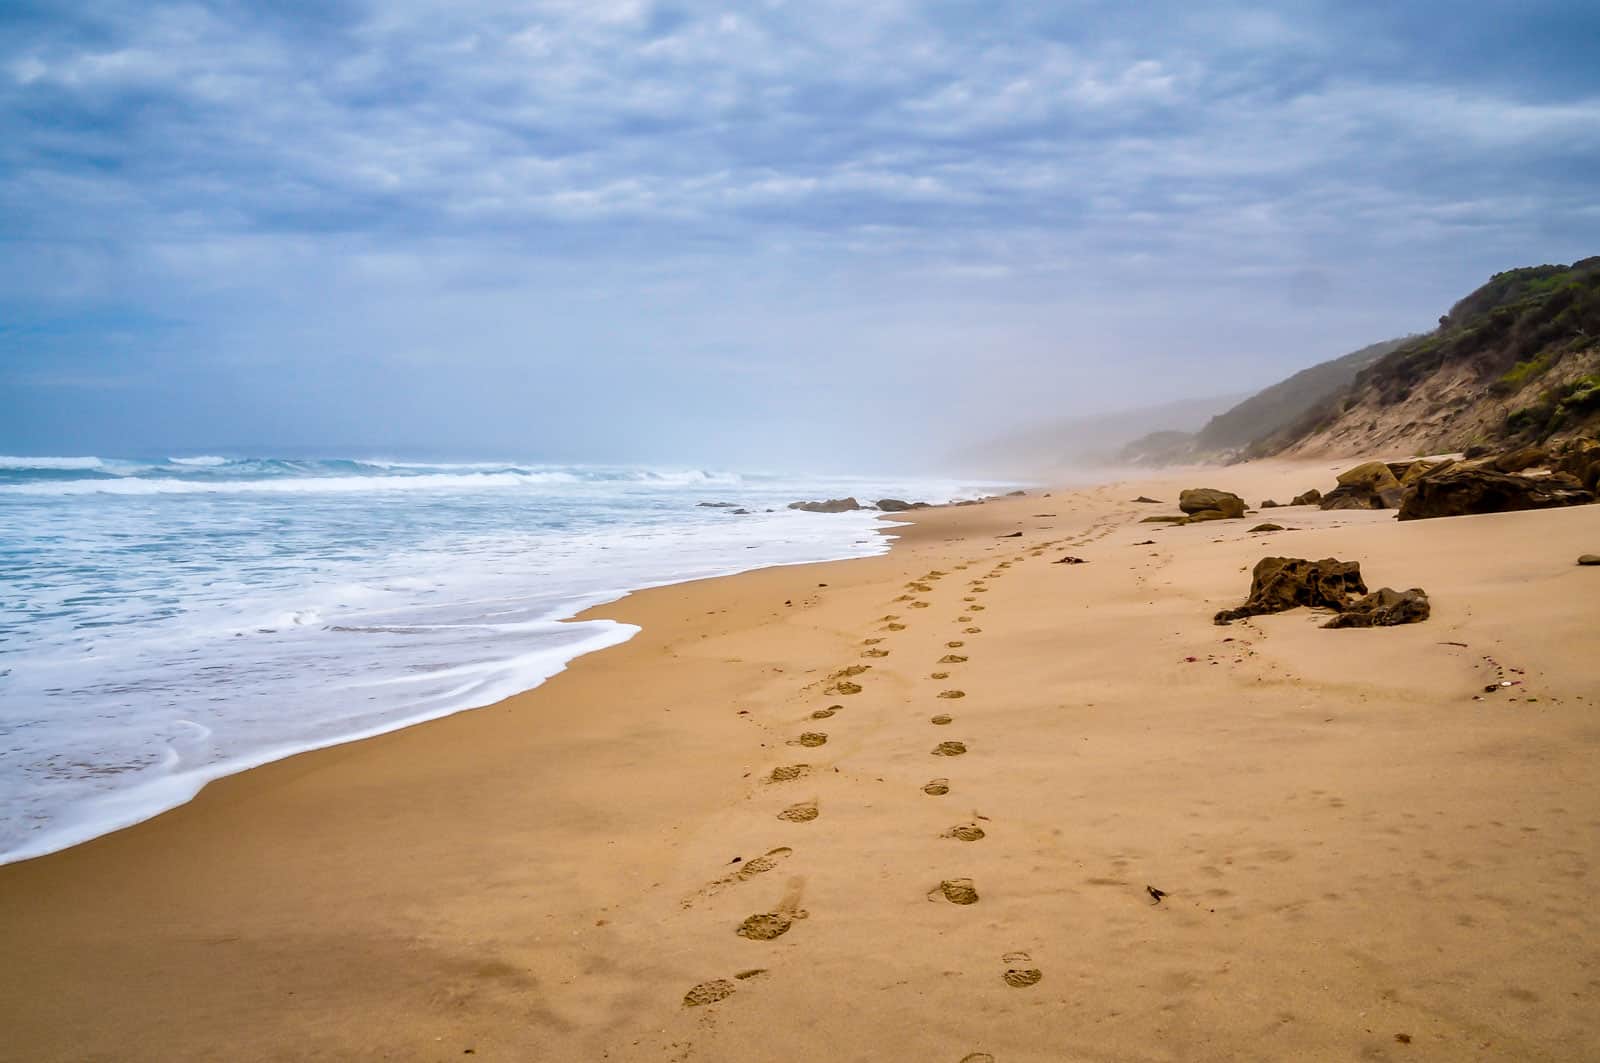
point(166, 622)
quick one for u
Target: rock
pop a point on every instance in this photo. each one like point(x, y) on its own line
point(832, 505)
point(1385, 607)
point(1310, 498)
point(741, 513)
point(1519, 459)
point(1070, 560)
point(1269, 526)
point(893, 505)
point(1163, 520)
point(1466, 489)
point(1580, 459)
point(1010, 535)
point(1269, 504)
point(1418, 469)
point(1015, 494)
point(1281, 583)
point(714, 505)
point(1368, 486)
point(1200, 499)
point(1589, 559)
point(1477, 450)
point(1212, 514)
point(1151, 501)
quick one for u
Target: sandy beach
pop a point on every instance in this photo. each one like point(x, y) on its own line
point(1363, 854)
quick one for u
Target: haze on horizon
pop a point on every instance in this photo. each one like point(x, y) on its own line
point(781, 233)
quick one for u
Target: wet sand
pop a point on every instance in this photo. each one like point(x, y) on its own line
point(706, 845)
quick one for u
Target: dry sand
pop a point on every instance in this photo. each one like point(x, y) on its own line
point(1364, 856)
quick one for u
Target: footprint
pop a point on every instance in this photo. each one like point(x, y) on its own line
point(936, 787)
point(956, 645)
point(967, 832)
point(976, 608)
point(870, 642)
point(850, 671)
point(804, 812)
point(949, 749)
point(971, 630)
point(1019, 975)
point(789, 772)
point(875, 653)
point(952, 658)
point(969, 598)
point(761, 864)
point(940, 719)
point(956, 891)
point(952, 693)
point(843, 686)
point(709, 993)
point(764, 926)
point(919, 605)
point(894, 627)
point(920, 588)
point(823, 714)
point(963, 619)
point(810, 739)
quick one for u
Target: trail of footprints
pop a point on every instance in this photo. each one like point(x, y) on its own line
point(1017, 969)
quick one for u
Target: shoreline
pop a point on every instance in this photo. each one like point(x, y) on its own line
point(549, 876)
point(118, 810)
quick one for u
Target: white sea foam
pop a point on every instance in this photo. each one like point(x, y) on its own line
point(12, 462)
point(203, 461)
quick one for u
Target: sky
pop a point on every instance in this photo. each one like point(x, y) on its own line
point(819, 234)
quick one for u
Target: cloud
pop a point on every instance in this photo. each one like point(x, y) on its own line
point(255, 171)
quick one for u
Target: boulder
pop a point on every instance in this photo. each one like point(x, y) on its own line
point(1589, 559)
point(1519, 459)
point(1368, 486)
point(715, 505)
point(1310, 498)
point(1163, 520)
point(1385, 607)
point(1281, 583)
point(1210, 514)
point(1476, 451)
point(1269, 526)
point(1466, 489)
point(1269, 504)
point(1580, 459)
point(1147, 499)
point(1359, 496)
point(1418, 469)
point(893, 505)
point(1200, 499)
point(832, 505)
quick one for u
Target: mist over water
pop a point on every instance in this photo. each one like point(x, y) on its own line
point(165, 622)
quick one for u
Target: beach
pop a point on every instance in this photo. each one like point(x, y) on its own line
point(1139, 835)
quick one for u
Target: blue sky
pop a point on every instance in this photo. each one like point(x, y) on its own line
point(780, 232)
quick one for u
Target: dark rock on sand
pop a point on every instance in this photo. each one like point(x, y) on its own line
point(832, 505)
point(1212, 514)
point(1589, 559)
point(1368, 486)
point(1269, 504)
point(1310, 498)
point(1519, 459)
point(1148, 500)
point(1269, 526)
point(1385, 607)
point(1200, 499)
point(1163, 520)
point(1015, 494)
point(1281, 583)
point(896, 505)
point(1465, 489)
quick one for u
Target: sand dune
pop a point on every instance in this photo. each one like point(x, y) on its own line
point(955, 803)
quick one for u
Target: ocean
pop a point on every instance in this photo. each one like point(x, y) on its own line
point(167, 622)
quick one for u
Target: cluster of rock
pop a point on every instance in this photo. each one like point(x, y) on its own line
point(1526, 478)
point(1278, 584)
point(847, 505)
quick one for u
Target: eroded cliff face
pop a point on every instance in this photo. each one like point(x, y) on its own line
point(1516, 361)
